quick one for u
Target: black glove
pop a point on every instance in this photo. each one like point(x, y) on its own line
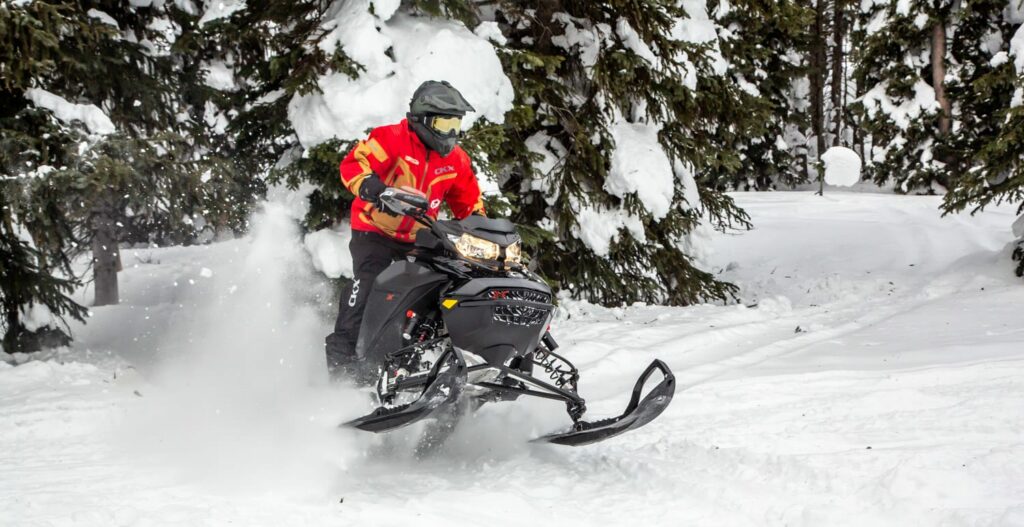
point(370, 189)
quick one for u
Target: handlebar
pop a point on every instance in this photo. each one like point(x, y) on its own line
point(403, 203)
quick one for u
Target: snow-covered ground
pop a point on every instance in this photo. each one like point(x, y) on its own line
point(872, 375)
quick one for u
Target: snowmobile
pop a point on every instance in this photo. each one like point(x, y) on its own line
point(463, 319)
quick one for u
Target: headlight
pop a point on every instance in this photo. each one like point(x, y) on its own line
point(514, 252)
point(476, 248)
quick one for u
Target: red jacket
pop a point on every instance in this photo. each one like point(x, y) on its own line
point(398, 157)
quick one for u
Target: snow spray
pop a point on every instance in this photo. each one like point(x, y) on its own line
point(240, 398)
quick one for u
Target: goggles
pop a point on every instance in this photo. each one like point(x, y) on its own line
point(445, 124)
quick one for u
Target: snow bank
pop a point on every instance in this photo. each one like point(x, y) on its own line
point(329, 250)
point(1018, 227)
point(639, 165)
point(424, 49)
point(94, 119)
point(878, 100)
point(842, 166)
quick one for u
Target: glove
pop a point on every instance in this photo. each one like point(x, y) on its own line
point(370, 189)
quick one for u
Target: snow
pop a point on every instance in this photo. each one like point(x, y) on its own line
point(1013, 14)
point(490, 31)
point(632, 41)
point(598, 227)
point(385, 9)
point(37, 316)
point(1017, 49)
point(1018, 227)
point(218, 9)
point(219, 76)
point(102, 17)
point(89, 114)
point(898, 402)
point(999, 59)
point(328, 249)
point(842, 166)
point(639, 165)
point(581, 38)
point(697, 28)
point(877, 99)
point(424, 49)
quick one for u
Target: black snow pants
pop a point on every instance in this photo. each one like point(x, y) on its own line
point(371, 254)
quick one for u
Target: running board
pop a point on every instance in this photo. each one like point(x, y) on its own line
point(443, 388)
point(638, 413)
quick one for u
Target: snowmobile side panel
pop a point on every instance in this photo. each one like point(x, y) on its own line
point(638, 413)
point(401, 287)
point(443, 389)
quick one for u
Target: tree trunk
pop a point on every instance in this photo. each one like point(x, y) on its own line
point(105, 257)
point(837, 71)
point(939, 75)
point(818, 59)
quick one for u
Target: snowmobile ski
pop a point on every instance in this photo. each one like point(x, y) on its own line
point(638, 413)
point(443, 387)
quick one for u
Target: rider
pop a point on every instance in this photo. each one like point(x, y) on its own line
point(419, 155)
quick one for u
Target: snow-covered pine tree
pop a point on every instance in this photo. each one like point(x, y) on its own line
point(100, 125)
point(766, 46)
point(988, 95)
point(616, 144)
point(35, 270)
point(900, 52)
point(258, 57)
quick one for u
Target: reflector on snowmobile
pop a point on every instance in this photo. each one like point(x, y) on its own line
point(442, 388)
point(638, 412)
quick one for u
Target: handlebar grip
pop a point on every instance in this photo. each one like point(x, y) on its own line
point(415, 200)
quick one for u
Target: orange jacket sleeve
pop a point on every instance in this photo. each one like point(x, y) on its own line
point(464, 196)
point(369, 156)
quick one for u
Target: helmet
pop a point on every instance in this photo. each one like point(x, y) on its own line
point(435, 115)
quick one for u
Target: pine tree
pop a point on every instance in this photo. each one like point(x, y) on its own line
point(988, 144)
point(273, 50)
point(765, 45)
point(33, 231)
point(901, 61)
point(102, 122)
point(588, 75)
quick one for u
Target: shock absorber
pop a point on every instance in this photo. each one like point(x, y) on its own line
point(410, 324)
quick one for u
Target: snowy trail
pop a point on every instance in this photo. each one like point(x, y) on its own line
point(899, 402)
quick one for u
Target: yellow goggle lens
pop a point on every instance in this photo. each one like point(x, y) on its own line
point(446, 125)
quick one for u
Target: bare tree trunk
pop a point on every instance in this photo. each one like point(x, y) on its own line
point(105, 257)
point(818, 59)
point(837, 71)
point(939, 75)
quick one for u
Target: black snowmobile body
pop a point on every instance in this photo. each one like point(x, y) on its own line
point(443, 326)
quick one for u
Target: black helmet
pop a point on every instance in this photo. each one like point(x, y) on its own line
point(435, 114)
